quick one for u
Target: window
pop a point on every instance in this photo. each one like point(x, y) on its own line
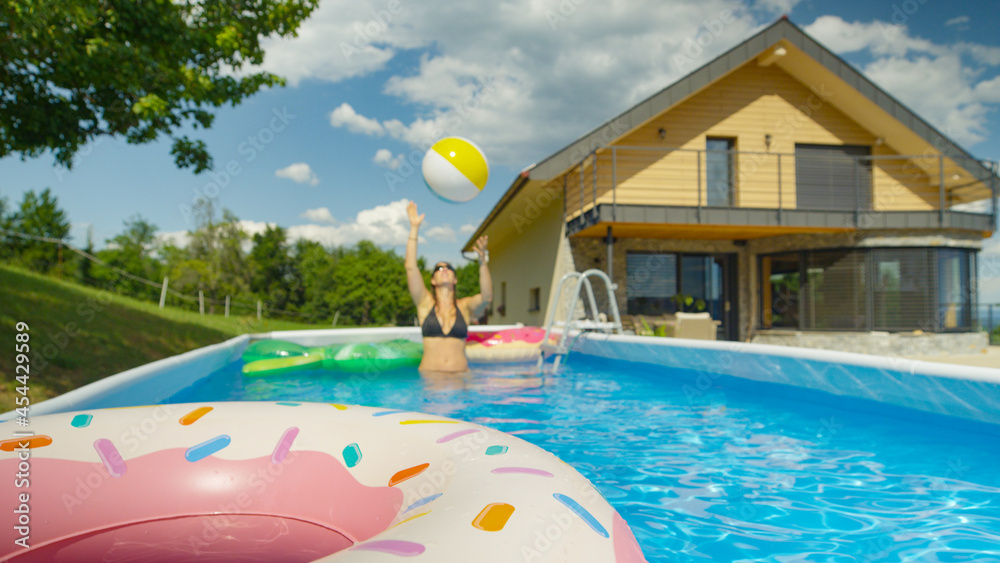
point(834, 296)
point(903, 289)
point(891, 289)
point(719, 171)
point(534, 299)
point(833, 177)
point(651, 283)
point(955, 300)
point(779, 275)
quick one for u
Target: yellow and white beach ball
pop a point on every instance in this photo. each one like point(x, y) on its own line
point(455, 169)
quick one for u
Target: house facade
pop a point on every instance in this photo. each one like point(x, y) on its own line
point(775, 188)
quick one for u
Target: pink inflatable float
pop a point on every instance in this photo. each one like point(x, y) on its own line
point(510, 345)
point(293, 482)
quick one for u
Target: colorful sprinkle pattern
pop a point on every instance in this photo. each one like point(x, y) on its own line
point(491, 518)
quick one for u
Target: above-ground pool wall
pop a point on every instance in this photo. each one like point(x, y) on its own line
point(145, 385)
point(968, 392)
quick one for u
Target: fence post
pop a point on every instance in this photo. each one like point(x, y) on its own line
point(201, 302)
point(335, 317)
point(227, 306)
point(258, 309)
point(163, 293)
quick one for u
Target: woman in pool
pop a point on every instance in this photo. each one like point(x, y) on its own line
point(443, 318)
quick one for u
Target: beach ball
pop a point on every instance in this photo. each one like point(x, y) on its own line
point(455, 169)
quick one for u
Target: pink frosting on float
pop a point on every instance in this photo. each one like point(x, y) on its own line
point(218, 538)
point(72, 498)
point(528, 334)
point(627, 549)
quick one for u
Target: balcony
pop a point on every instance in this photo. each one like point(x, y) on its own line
point(743, 194)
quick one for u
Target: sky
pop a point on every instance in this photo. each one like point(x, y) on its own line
point(334, 155)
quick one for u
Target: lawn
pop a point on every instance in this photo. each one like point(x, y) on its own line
point(79, 334)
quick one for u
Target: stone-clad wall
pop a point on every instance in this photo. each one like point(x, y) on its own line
point(592, 253)
point(907, 344)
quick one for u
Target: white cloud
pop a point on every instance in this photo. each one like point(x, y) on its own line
point(499, 69)
point(179, 239)
point(252, 228)
point(441, 233)
point(300, 173)
point(383, 157)
point(778, 6)
point(340, 40)
point(345, 116)
point(383, 225)
point(468, 229)
point(957, 20)
point(318, 215)
point(930, 79)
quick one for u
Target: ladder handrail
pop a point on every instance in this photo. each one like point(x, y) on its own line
point(582, 281)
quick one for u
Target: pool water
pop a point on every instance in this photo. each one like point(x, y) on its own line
point(708, 468)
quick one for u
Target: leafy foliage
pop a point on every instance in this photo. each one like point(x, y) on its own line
point(74, 70)
point(38, 215)
point(130, 251)
point(358, 285)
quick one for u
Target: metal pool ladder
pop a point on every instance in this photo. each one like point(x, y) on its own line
point(570, 324)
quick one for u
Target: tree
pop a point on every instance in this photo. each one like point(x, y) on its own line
point(273, 273)
point(39, 215)
point(467, 280)
point(75, 70)
point(131, 251)
point(6, 241)
point(370, 287)
point(215, 260)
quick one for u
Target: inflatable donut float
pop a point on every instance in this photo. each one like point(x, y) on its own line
point(506, 346)
point(290, 482)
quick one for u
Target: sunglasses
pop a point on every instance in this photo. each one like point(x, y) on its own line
point(442, 267)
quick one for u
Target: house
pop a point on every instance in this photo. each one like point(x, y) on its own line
point(774, 187)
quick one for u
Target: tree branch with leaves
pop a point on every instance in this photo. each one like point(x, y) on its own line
point(75, 70)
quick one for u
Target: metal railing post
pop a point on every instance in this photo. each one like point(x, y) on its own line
point(993, 190)
point(698, 166)
point(779, 188)
point(594, 208)
point(565, 194)
point(614, 183)
point(857, 189)
point(941, 189)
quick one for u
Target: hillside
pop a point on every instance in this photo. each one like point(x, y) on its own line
point(79, 334)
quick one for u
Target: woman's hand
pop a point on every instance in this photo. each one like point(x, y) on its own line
point(481, 247)
point(411, 212)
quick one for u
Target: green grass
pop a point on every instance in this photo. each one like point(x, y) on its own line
point(79, 334)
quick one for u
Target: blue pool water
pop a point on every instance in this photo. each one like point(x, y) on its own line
point(707, 468)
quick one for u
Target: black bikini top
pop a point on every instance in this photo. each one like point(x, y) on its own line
point(432, 327)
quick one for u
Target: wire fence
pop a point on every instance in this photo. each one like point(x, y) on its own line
point(989, 320)
point(260, 306)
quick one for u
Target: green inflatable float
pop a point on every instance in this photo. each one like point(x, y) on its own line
point(277, 357)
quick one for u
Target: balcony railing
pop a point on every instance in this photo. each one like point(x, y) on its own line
point(781, 183)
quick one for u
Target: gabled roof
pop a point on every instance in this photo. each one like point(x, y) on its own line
point(781, 31)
